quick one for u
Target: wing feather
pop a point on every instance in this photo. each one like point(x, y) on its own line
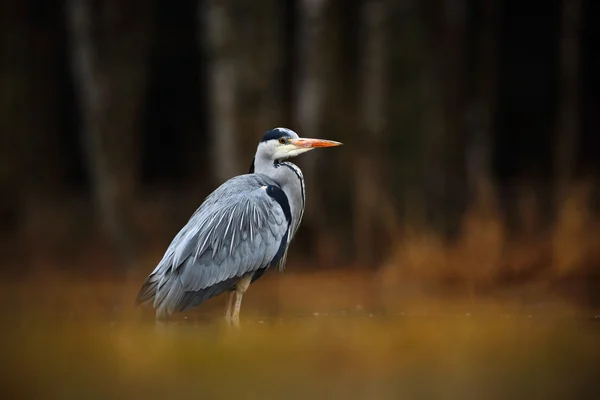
point(237, 230)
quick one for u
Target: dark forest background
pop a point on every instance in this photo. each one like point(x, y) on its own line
point(470, 130)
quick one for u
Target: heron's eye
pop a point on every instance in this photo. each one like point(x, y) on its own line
point(282, 140)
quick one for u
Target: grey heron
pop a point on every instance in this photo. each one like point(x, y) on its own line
point(240, 230)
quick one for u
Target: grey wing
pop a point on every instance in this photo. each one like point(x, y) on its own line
point(244, 231)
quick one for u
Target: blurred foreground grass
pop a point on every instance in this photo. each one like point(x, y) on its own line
point(303, 337)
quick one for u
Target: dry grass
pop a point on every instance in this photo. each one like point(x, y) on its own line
point(322, 358)
point(438, 321)
point(486, 259)
point(303, 336)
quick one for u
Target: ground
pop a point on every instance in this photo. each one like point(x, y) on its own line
point(318, 335)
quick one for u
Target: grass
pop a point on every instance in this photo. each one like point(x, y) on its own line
point(303, 336)
point(562, 258)
point(480, 318)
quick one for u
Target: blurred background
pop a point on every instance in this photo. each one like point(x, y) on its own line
point(467, 186)
point(470, 131)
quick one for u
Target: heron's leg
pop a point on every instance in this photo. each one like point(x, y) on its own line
point(229, 306)
point(240, 289)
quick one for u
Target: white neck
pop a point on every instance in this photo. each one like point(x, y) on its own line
point(291, 180)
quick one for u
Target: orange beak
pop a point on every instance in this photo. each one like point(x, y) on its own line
point(314, 143)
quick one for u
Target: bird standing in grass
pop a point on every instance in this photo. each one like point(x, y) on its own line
point(242, 228)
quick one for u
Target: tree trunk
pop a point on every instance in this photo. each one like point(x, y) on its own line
point(569, 118)
point(452, 58)
point(483, 105)
point(14, 118)
point(266, 58)
point(442, 125)
point(109, 64)
point(404, 132)
point(310, 91)
point(433, 121)
point(31, 166)
point(367, 188)
point(92, 107)
point(217, 28)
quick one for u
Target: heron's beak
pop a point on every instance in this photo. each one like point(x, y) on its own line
point(313, 143)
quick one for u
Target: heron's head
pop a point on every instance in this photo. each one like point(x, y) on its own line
point(281, 143)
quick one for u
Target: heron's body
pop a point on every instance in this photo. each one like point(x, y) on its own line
point(242, 228)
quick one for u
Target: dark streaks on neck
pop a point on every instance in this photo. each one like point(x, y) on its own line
point(294, 168)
